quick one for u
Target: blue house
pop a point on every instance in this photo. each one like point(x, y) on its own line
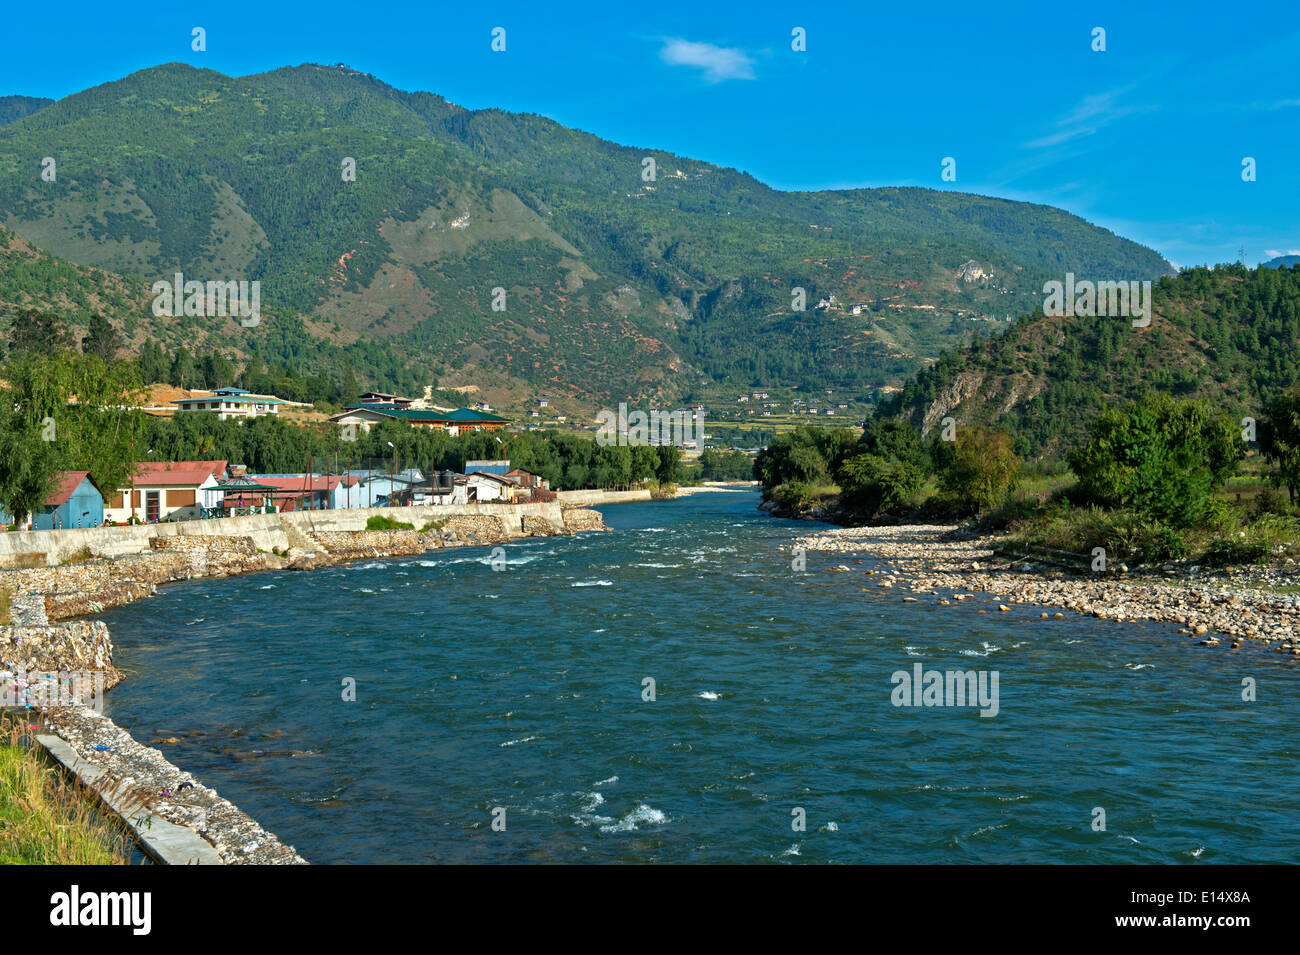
point(375, 488)
point(73, 502)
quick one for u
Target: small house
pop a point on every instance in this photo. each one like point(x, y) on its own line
point(231, 403)
point(488, 487)
point(168, 490)
point(73, 501)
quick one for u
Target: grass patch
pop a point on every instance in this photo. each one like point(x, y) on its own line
point(79, 556)
point(45, 819)
point(437, 525)
point(380, 523)
point(1123, 534)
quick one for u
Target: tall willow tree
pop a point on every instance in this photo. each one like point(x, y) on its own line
point(66, 412)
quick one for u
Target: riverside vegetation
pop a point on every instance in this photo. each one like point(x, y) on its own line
point(46, 819)
point(1186, 449)
point(1156, 479)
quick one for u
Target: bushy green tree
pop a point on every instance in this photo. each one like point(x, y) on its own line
point(805, 455)
point(981, 469)
point(101, 338)
point(876, 483)
point(1160, 456)
point(38, 332)
point(1279, 439)
point(67, 412)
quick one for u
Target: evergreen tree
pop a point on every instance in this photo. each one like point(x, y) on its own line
point(38, 333)
point(101, 338)
point(183, 374)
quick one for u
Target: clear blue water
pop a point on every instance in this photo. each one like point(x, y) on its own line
point(522, 689)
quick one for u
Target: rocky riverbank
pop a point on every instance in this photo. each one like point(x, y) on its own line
point(31, 646)
point(42, 594)
point(1230, 609)
point(151, 784)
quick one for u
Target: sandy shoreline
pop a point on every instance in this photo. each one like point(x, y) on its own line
point(945, 564)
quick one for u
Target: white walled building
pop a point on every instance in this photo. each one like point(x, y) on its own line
point(230, 403)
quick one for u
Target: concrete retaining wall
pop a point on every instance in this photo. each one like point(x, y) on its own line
point(590, 497)
point(268, 531)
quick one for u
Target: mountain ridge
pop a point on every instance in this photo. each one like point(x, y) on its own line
point(613, 284)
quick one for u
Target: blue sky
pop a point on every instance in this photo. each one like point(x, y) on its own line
point(1146, 138)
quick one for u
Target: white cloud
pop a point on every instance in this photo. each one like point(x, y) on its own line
point(1089, 116)
point(1278, 253)
point(718, 63)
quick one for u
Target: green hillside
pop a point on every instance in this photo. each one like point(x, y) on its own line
point(1227, 334)
point(31, 278)
point(614, 286)
point(16, 107)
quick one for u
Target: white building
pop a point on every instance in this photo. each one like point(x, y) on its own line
point(230, 403)
point(488, 487)
point(167, 490)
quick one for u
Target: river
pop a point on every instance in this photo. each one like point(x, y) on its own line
point(519, 694)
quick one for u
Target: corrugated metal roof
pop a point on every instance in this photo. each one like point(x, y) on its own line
point(65, 483)
point(178, 473)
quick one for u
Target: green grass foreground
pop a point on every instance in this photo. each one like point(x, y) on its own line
point(45, 819)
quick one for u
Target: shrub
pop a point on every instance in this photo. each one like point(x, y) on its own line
point(980, 469)
point(877, 483)
point(1124, 534)
point(1160, 456)
point(795, 496)
point(1226, 550)
point(380, 523)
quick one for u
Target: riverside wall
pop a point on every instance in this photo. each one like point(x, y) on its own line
point(268, 532)
point(589, 497)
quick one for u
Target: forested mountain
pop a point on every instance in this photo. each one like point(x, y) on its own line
point(16, 107)
point(33, 279)
point(1228, 334)
point(615, 285)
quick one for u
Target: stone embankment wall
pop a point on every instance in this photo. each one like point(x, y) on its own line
point(40, 594)
point(268, 532)
point(578, 519)
point(83, 645)
point(589, 497)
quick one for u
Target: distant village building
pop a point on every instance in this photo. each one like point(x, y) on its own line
point(230, 403)
point(383, 398)
point(460, 421)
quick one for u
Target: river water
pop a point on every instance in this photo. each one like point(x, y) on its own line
point(519, 694)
